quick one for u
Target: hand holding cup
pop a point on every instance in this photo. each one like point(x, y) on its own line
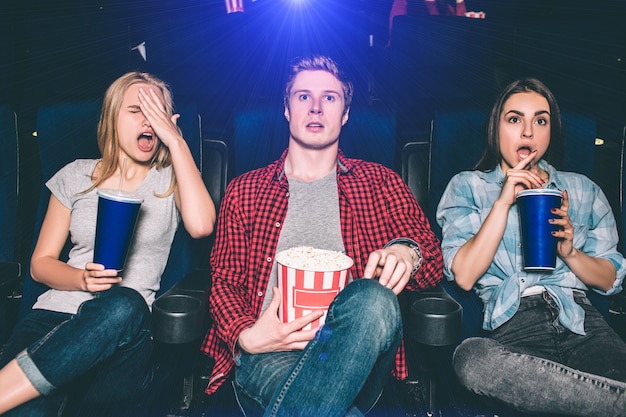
point(97, 279)
point(537, 228)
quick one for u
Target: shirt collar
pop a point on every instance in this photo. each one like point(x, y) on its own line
point(497, 176)
point(344, 165)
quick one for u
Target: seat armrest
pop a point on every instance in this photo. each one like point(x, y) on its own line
point(10, 273)
point(178, 314)
point(434, 317)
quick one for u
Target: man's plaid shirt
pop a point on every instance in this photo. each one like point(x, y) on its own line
point(375, 207)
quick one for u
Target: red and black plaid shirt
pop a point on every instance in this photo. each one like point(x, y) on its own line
point(375, 206)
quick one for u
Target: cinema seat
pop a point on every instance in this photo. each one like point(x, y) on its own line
point(67, 131)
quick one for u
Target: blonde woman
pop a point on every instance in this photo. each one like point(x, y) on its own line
point(94, 323)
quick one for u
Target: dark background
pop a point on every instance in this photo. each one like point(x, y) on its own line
point(68, 49)
point(54, 51)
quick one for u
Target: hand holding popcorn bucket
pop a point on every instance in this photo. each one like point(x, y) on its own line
point(309, 280)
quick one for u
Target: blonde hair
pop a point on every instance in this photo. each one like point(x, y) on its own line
point(108, 140)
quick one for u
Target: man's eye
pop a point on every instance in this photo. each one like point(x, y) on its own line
point(304, 97)
point(329, 98)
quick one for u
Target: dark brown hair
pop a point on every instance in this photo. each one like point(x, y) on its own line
point(492, 157)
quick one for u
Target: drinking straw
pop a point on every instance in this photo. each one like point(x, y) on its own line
point(122, 176)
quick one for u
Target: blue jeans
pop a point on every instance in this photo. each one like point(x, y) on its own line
point(341, 372)
point(103, 353)
point(534, 364)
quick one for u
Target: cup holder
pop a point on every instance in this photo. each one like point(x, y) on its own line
point(177, 318)
point(436, 321)
point(177, 304)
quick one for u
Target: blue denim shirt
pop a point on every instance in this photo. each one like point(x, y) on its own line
point(467, 201)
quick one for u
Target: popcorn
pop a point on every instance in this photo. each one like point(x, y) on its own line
point(309, 280)
point(311, 259)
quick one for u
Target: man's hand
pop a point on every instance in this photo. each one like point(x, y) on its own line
point(268, 334)
point(392, 266)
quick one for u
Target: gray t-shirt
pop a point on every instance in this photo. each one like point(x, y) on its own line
point(312, 220)
point(156, 225)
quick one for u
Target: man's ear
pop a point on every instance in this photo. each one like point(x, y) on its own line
point(344, 118)
point(286, 113)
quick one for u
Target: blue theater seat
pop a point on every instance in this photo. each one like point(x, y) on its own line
point(456, 142)
point(261, 135)
point(8, 182)
point(10, 267)
point(67, 131)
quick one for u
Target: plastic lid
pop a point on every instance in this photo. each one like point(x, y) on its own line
point(540, 191)
point(122, 196)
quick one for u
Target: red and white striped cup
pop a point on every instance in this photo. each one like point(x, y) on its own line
point(310, 289)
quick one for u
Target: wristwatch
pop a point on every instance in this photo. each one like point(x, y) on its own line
point(411, 244)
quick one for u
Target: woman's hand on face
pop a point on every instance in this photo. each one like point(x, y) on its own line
point(565, 234)
point(153, 109)
point(97, 279)
point(519, 178)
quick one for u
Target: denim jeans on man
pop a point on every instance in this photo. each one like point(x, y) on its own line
point(341, 372)
point(104, 352)
point(536, 365)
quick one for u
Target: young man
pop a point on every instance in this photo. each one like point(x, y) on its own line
point(315, 196)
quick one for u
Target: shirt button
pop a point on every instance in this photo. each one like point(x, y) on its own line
point(519, 245)
point(277, 224)
point(287, 194)
point(269, 259)
point(260, 293)
point(522, 280)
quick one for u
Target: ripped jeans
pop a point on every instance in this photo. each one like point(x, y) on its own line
point(535, 365)
point(102, 353)
point(341, 372)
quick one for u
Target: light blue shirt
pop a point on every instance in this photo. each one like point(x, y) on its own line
point(467, 201)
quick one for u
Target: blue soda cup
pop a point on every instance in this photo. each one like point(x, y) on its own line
point(538, 244)
point(117, 216)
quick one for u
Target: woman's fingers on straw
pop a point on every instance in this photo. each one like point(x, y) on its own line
point(526, 162)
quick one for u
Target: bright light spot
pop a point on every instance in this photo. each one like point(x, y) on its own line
point(34, 134)
point(296, 3)
point(599, 142)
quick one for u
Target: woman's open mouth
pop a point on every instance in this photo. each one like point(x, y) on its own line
point(523, 152)
point(145, 142)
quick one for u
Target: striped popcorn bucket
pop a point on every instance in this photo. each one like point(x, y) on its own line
point(305, 291)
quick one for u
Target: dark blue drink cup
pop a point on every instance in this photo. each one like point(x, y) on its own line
point(117, 216)
point(538, 244)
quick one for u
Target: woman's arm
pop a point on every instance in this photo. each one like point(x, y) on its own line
point(475, 256)
point(192, 198)
point(46, 267)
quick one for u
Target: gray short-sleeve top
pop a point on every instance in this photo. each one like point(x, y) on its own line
point(156, 225)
